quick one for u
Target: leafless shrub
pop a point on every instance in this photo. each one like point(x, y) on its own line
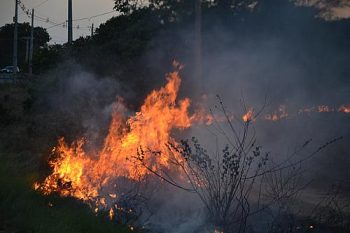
point(333, 210)
point(237, 182)
point(283, 187)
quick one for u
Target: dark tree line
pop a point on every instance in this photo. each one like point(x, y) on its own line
point(6, 42)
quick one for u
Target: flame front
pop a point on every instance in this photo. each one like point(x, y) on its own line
point(277, 115)
point(82, 174)
point(77, 173)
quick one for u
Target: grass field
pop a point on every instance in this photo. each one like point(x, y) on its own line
point(24, 210)
point(22, 147)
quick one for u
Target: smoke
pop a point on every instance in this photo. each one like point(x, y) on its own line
point(279, 52)
point(176, 211)
point(77, 103)
point(285, 54)
point(294, 60)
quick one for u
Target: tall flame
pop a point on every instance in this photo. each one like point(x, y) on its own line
point(78, 173)
point(82, 174)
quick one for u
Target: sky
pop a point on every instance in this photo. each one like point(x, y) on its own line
point(56, 12)
point(329, 9)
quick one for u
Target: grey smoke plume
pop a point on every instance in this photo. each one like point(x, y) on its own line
point(281, 52)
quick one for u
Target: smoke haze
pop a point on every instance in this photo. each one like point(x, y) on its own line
point(280, 52)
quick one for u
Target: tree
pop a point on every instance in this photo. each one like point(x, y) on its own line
point(41, 38)
point(174, 10)
point(46, 58)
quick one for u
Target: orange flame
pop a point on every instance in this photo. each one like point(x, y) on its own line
point(111, 214)
point(278, 115)
point(78, 173)
point(248, 116)
point(324, 108)
point(344, 109)
point(202, 117)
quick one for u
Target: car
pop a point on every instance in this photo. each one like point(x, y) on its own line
point(9, 69)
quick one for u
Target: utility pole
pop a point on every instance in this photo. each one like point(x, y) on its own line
point(26, 59)
point(15, 38)
point(70, 22)
point(31, 45)
point(92, 30)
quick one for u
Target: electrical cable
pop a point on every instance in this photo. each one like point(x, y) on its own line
point(54, 24)
point(40, 4)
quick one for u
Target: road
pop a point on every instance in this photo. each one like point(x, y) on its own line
point(10, 78)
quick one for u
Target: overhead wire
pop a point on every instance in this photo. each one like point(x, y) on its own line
point(81, 19)
point(40, 4)
point(54, 24)
point(42, 19)
point(47, 20)
point(94, 16)
point(36, 17)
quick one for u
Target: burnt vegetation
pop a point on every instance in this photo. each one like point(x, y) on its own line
point(240, 186)
point(240, 182)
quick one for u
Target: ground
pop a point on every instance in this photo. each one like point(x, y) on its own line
point(22, 209)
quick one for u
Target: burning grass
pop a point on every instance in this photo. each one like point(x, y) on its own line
point(24, 210)
point(80, 174)
point(114, 178)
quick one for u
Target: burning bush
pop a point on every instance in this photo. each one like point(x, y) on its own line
point(233, 184)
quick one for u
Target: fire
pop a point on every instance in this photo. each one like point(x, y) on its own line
point(218, 231)
point(248, 116)
point(111, 214)
point(202, 117)
point(82, 174)
point(277, 115)
point(344, 109)
point(281, 113)
point(319, 109)
point(324, 108)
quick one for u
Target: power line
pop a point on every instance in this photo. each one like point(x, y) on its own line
point(54, 24)
point(47, 20)
point(59, 24)
point(94, 16)
point(44, 17)
point(78, 27)
point(42, 3)
point(27, 12)
point(80, 19)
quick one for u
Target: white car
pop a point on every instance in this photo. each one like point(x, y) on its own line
point(9, 69)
